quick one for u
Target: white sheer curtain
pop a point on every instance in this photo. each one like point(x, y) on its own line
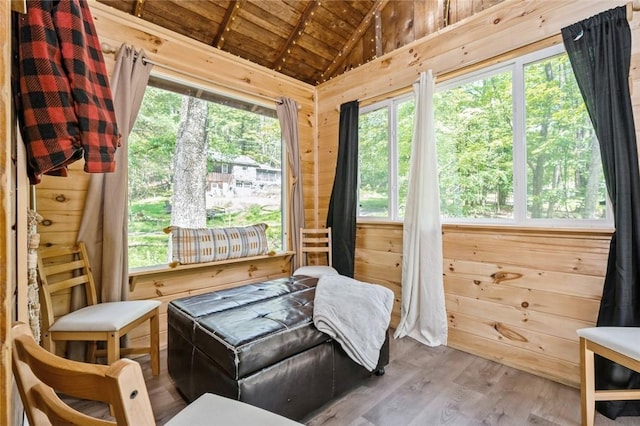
point(424, 317)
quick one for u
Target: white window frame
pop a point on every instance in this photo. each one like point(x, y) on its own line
point(516, 67)
point(284, 178)
point(392, 166)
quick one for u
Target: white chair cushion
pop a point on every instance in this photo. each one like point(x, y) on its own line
point(107, 316)
point(212, 409)
point(315, 271)
point(624, 340)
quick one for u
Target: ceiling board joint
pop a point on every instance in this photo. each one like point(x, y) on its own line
point(229, 17)
point(295, 34)
point(139, 9)
point(355, 37)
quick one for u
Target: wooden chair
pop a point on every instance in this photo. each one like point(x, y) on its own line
point(315, 241)
point(60, 269)
point(40, 375)
point(619, 344)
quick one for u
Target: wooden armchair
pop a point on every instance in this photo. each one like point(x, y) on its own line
point(40, 375)
point(60, 269)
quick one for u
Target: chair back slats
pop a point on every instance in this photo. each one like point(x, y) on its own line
point(62, 268)
point(59, 286)
point(314, 240)
point(315, 250)
point(40, 374)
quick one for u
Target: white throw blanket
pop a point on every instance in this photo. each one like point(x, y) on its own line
point(355, 314)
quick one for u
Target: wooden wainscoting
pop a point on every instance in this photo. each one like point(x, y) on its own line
point(517, 296)
point(378, 259)
point(513, 295)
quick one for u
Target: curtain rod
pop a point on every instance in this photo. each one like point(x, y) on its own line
point(108, 49)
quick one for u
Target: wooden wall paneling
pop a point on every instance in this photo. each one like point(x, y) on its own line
point(507, 26)
point(428, 17)
point(459, 10)
point(541, 322)
point(518, 337)
point(529, 289)
point(388, 24)
point(404, 23)
point(378, 259)
point(532, 362)
point(6, 258)
point(585, 286)
point(208, 277)
point(381, 237)
point(60, 202)
point(542, 301)
point(21, 205)
point(532, 252)
point(559, 273)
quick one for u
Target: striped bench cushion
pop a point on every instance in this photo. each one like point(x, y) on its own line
point(197, 245)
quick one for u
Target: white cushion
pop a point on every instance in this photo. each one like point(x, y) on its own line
point(624, 340)
point(315, 271)
point(107, 316)
point(212, 409)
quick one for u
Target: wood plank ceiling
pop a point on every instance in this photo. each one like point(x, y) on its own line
point(309, 40)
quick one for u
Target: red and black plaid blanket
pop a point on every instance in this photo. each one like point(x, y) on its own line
point(64, 101)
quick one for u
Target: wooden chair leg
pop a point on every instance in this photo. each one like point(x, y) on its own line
point(587, 384)
point(48, 343)
point(113, 348)
point(154, 349)
point(92, 347)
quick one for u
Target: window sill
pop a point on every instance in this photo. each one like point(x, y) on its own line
point(159, 270)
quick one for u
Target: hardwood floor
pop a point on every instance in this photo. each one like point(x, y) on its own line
point(423, 387)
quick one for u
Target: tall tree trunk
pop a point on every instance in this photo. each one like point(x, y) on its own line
point(555, 183)
point(593, 180)
point(190, 166)
point(537, 185)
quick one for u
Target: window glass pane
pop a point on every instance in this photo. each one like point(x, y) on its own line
point(373, 166)
point(238, 152)
point(564, 170)
point(474, 144)
point(405, 111)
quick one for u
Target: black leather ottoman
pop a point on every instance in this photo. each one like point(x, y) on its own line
point(257, 344)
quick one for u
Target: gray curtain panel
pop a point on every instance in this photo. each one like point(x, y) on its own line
point(287, 110)
point(104, 221)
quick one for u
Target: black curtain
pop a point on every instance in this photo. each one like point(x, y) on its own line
point(342, 206)
point(600, 52)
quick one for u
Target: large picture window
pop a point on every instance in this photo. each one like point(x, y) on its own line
point(385, 131)
point(199, 159)
point(514, 145)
